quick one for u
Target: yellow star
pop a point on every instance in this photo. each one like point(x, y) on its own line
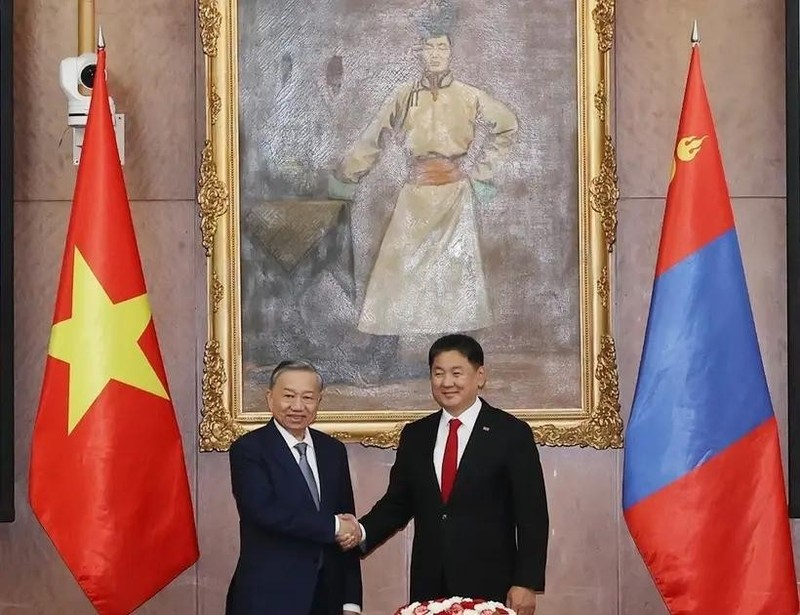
point(101, 342)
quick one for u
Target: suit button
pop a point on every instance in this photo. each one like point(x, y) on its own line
point(444, 516)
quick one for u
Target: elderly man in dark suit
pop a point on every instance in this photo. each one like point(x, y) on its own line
point(289, 483)
point(470, 477)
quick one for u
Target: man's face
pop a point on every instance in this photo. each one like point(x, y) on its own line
point(436, 54)
point(294, 400)
point(455, 382)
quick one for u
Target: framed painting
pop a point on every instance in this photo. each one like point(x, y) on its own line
point(376, 175)
point(793, 246)
point(6, 266)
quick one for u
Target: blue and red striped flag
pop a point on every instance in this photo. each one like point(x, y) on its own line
point(703, 489)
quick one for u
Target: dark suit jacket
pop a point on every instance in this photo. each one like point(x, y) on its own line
point(492, 533)
point(282, 534)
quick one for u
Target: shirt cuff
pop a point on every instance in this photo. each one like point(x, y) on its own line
point(351, 607)
point(335, 524)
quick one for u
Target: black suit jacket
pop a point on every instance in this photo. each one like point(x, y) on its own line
point(282, 534)
point(492, 533)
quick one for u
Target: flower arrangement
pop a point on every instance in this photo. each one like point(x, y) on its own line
point(455, 606)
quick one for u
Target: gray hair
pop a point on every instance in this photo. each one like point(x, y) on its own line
point(294, 365)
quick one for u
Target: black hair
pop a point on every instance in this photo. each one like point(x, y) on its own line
point(464, 344)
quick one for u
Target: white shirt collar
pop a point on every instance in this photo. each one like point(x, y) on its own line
point(468, 417)
point(291, 441)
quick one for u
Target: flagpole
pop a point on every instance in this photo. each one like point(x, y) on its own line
point(85, 26)
point(85, 34)
point(695, 34)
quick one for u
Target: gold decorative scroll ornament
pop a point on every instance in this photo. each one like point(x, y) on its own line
point(596, 423)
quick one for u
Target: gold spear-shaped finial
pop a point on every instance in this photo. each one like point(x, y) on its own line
point(101, 40)
point(695, 34)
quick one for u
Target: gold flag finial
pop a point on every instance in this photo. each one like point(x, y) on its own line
point(695, 34)
point(101, 40)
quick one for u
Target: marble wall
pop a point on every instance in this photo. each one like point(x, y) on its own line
point(593, 566)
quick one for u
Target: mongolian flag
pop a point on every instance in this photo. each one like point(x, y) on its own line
point(107, 476)
point(703, 488)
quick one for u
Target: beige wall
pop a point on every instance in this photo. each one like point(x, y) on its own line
point(593, 567)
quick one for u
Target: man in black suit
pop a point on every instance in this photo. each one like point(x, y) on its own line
point(470, 477)
point(289, 482)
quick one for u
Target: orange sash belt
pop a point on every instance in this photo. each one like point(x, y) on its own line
point(435, 172)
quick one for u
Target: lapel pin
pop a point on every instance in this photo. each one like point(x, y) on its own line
point(485, 428)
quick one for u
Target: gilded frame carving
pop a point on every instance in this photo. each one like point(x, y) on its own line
point(597, 423)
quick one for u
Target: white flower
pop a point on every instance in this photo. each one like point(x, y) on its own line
point(440, 606)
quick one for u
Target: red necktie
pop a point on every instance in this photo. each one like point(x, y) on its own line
point(450, 462)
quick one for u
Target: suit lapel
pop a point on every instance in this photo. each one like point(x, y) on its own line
point(426, 447)
point(326, 467)
point(280, 452)
point(478, 441)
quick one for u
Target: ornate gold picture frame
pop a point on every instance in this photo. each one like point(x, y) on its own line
point(594, 421)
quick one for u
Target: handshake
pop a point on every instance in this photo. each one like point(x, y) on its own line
point(349, 534)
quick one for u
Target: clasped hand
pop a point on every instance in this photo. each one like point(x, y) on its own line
point(349, 534)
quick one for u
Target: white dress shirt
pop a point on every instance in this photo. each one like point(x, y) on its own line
point(467, 418)
point(311, 456)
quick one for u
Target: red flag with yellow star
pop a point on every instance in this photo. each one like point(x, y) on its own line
point(107, 477)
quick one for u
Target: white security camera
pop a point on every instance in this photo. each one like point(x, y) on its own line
point(73, 73)
point(76, 72)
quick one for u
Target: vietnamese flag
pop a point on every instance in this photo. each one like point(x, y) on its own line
point(107, 478)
